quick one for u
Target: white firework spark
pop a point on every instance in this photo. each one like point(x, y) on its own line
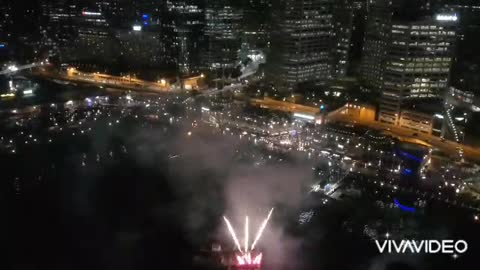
point(262, 228)
point(232, 232)
point(246, 237)
point(246, 234)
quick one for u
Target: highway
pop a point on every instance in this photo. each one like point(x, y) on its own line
point(127, 83)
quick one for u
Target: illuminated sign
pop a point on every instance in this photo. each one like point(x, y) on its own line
point(447, 17)
point(137, 28)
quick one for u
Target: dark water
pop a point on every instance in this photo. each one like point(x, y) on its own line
point(117, 213)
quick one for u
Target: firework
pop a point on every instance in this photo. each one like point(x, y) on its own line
point(258, 259)
point(232, 232)
point(246, 257)
point(260, 231)
point(246, 234)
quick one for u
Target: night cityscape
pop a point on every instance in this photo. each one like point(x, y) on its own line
point(240, 134)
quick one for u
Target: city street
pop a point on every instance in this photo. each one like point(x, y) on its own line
point(449, 147)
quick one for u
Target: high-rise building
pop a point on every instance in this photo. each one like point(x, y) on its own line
point(376, 38)
point(140, 48)
point(114, 11)
point(255, 26)
point(58, 24)
point(5, 27)
point(417, 63)
point(407, 54)
point(465, 68)
point(5, 22)
point(357, 36)
point(94, 41)
point(380, 16)
point(343, 16)
point(302, 41)
point(183, 27)
point(223, 28)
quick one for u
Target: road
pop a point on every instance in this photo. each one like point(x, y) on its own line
point(126, 83)
point(449, 147)
point(284, 106)
point(212, 91)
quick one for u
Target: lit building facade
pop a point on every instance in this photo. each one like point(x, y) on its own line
point(183, 28)
point(115, 11)
point(465, 69)
point(376, 38)
point(302, 42)
point(223, 27)
point(343, 16)
point(93, 35)
point(256, 26)
point(5, 22)
point(58, 27)
point(140, 48)
point(417, 63)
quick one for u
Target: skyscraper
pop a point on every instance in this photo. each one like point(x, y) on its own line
point(302, 39)
point(255, 26)
point(223, 25)
point(380, 16)
point(95, 40)
point(465, 68)
point(343, 16)
point(407, 54)
point(5, 22)
point(375, 43)
point(183, 28)
point(114, 11)
point(418, 62)
point(58, 24)
point(140, 48)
